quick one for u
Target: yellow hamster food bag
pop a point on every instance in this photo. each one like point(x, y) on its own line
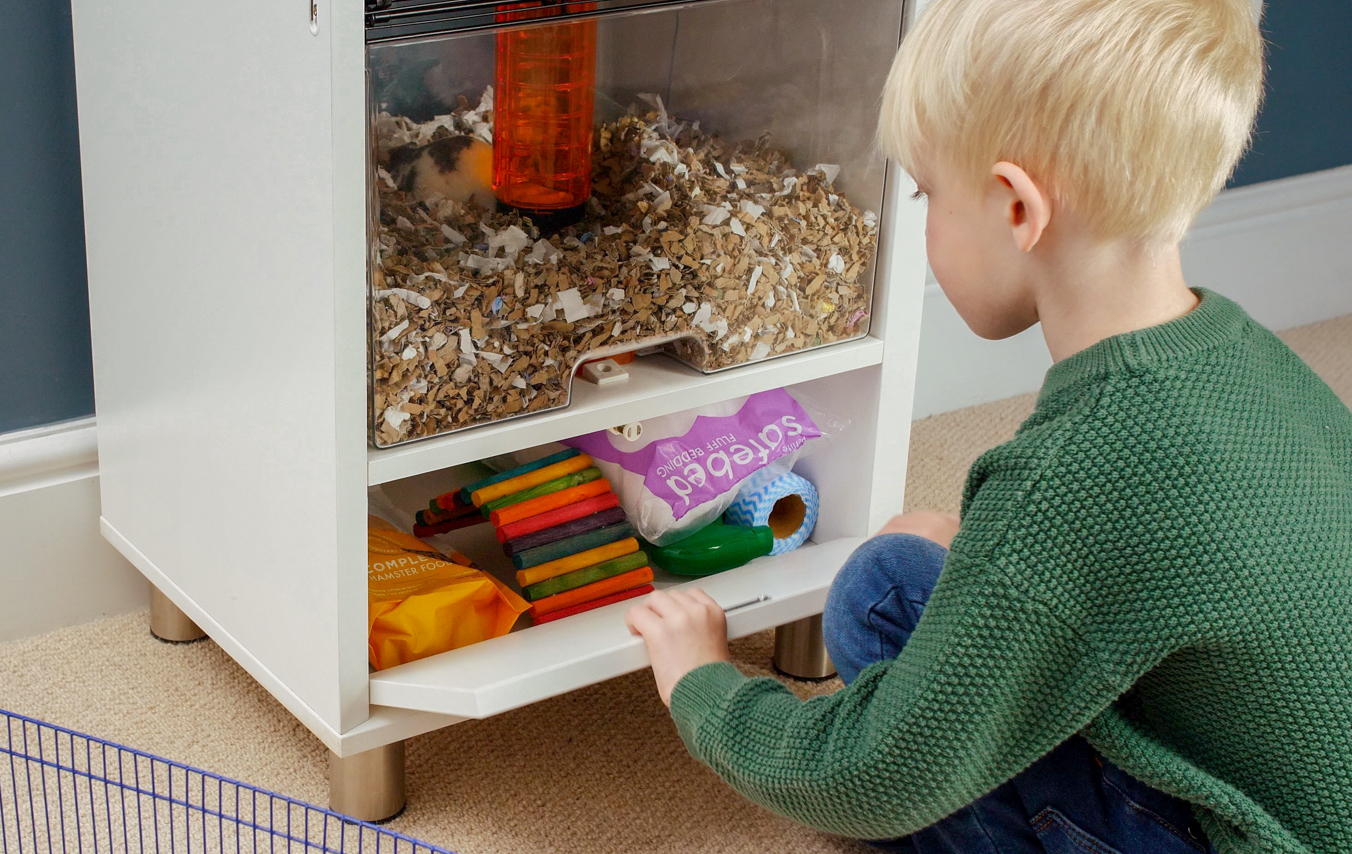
point(422, 602)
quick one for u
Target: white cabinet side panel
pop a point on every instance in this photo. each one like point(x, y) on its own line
point(206, 154)
point(347, 32)
point(898, 306)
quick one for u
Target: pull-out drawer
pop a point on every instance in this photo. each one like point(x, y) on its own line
point(540, 662)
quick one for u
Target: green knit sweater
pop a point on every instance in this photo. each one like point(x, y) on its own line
point(1161, 560)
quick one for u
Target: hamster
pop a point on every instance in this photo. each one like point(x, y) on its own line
point(459, 168)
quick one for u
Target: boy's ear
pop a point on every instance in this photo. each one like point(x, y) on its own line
point(1027, 209)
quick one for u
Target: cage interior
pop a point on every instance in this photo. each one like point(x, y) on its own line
point(731, 214)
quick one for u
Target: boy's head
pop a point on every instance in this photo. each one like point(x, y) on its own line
point(1130, 113)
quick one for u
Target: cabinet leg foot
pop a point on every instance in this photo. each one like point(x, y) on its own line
point(800, 650)
point(368, 786)
point(168, 623)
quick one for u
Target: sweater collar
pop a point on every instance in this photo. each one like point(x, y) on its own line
point(1213, 322)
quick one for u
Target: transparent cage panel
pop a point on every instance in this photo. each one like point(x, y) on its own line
point(732, 213)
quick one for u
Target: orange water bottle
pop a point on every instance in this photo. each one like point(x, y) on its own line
point(543, 112)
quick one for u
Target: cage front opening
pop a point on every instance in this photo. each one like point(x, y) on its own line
point(700, 179)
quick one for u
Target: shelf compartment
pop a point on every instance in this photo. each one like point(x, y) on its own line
point(543, 661)
point(657, 385)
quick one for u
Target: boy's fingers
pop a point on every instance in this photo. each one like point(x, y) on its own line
point(689, 608)
point(709, 611)
point(661, 604)
point(641, 620)
point(629, 620)
point(704, 598)
point(680, 597)
point(687, 601)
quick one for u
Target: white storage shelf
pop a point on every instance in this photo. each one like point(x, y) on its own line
point(228, 311)
point(657, 385)
point(537, 662)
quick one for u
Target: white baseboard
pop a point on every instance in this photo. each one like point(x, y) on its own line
point(56, 570)
point(1281, 249)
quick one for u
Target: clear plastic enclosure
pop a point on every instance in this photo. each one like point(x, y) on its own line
point(699, 179)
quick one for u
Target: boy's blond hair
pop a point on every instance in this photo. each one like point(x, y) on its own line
point(1132, 113)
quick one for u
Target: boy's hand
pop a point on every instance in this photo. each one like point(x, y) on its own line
point(683, 629)
point(939, 527)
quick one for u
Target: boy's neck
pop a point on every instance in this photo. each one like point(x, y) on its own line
point(1091, 290)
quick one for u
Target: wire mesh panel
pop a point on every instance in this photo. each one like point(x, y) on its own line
point(61, 791)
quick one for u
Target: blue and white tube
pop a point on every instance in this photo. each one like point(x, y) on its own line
point(788, 505)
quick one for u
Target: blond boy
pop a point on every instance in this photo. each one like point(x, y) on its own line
point(1138, 637)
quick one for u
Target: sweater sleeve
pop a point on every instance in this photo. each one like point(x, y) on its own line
point(990, 681)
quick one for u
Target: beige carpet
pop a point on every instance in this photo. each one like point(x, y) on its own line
point(599, 770)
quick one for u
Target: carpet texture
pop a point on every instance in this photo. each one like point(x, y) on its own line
point(605, 770)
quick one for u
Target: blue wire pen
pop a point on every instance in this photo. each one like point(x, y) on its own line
point(50, 804)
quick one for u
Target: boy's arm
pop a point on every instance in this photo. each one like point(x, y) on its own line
point(989, 682)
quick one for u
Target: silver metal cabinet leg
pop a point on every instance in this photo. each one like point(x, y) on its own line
point(800, 650)
point(368, 786)
point(170, 624)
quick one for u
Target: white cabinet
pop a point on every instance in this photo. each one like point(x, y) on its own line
point(224, 159)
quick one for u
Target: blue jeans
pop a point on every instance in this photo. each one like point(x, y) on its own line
point(1071, 801)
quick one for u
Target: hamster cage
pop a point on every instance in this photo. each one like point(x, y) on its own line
point(557, 182)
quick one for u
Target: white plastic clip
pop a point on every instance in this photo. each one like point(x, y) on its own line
point(631, 432)
point(604, 372)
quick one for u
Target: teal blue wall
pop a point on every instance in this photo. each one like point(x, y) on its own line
point(45, 373)
point(1306, 123)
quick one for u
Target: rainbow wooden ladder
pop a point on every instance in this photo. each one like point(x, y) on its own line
point(562, 527)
